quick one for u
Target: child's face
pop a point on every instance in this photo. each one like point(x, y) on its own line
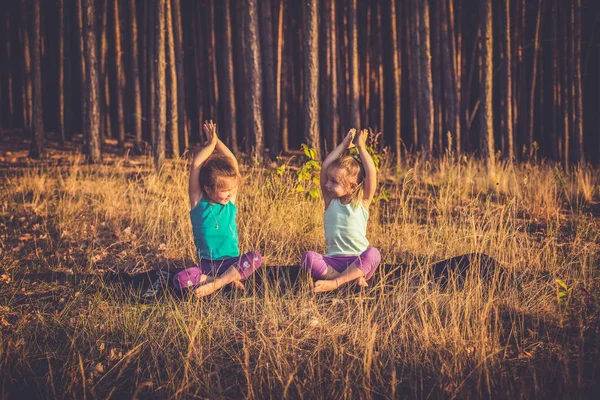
point(224, 192)
point(336, 183)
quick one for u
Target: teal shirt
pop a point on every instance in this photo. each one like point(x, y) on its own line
point(215, 230)
point(346, 229)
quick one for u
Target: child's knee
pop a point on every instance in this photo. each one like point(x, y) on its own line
point(256, 259)
point(373, 254)
point(307, 259)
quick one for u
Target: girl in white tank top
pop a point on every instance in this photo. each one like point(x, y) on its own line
point(348, 185)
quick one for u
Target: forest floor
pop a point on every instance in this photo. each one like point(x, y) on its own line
point(73, 236)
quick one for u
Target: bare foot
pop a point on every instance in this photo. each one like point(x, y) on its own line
point(238, 285)
point(209, 287)
point(325, 285)
point(362, 282)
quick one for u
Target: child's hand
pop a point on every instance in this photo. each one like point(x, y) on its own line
point(210, 129)
point(361, 139)
point(348, 141)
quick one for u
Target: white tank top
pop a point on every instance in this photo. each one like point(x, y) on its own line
point(346, 228)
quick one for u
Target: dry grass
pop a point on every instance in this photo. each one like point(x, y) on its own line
point(404, 337)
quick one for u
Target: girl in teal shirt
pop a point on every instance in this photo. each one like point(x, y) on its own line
point(213, 188)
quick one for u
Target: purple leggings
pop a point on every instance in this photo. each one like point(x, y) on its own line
point(317, 264)
point(245, 264)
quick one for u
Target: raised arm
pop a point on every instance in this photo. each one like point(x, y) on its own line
point(194, 189)
point(370, 182)
point(335, 154)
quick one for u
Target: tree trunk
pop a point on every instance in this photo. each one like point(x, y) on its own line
point(160, 110)
point(278, 76)
point(457, 63)
point(105, 79)
point(152, 71)
point(254, 77)
point(534, 74)
point(92, 118)
point(61, 71)
point(448, 76)
point(212, 63)
point(229, 122)
point(507, 87)
point(37, 138)
point(353, 54)
point(486, 112)
point(180, 62)
point(26, 79)
point(172, 89)
point(380, 74)
point(135, 78)
point(565, 90)
point(577, 91)
point(426, 98)
point(200, 71)
point(271, 116)
point(396, 82)
point(415, 76)
point(436, 76)
point(311, 75)
point(120, 83)
point(332, 112)
point(554, 121)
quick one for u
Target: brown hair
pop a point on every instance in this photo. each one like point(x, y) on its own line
point(215, 170)
point(354, 173)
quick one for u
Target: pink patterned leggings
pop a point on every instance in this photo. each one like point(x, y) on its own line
point(316, 263)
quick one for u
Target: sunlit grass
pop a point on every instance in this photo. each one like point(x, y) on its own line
point(403, 337)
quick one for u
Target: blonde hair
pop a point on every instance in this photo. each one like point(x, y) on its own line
point(354, 173)
point(215, 170)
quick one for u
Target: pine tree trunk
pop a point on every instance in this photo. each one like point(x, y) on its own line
point(565, 89)
point(436, 75)
point(254, 77)
point(278, 71)
point(92, 120)
point(396, 82)
point(105, 79)
point(212, 62)
point(456, 51)
point(354, 96)
point(120, 84)
point(534, 77)
point(229, 122)
point(507, 87)
point(68, 102)
point(82, 70)
point(426, 98)
point(37, 138)
point(61, 71)
point(200, 71)
point(486, 112)
point(380, 74)
point(26, 79)
point(448, 76)
point(415, 76)
point(311, 75)
point(152, 9)
point(135, 78)
point(577, 95)
point(271, 115)
point(333, 76)
point(172, 89)
point(180, 62)
point(556, 145)
point(284, 61)
point(160, 115)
